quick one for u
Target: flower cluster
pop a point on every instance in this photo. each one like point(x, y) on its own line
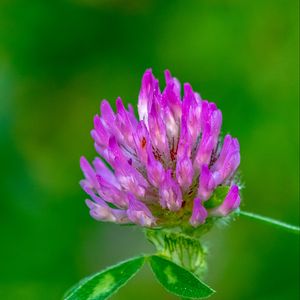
point(164, 167)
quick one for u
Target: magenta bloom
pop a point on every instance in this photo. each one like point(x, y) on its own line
point(162, 169)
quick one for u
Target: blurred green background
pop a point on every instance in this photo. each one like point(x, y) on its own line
point(58, 59)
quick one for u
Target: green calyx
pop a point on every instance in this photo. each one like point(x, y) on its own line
point(180, 248)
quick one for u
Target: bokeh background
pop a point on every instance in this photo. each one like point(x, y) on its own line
point(58, 59)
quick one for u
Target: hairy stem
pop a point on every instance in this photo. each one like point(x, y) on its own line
point(288, 227)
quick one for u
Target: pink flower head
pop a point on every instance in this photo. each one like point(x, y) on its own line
point(162, 168)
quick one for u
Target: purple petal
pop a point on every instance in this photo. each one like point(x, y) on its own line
point(205, 149)
point(171, 95)
point(103, 170)
point(184, 170)
point(170, 193)
point(127, 175)
point(228, 161)
point(139, 213)
point(211, 121)
point(92, 194)
point(115, 153)
point(199, 214)
point(107, 114)
point(231, 202)
point(206, 183)
point(173, 82)
point(148, 90)
point(100, 212)
point(172, 125)
point(171, 107)
point(100, 134)
point(142, 142)
point(155, 171)
point(88, 172)
point(226, 148)
point(110, 193)
point(191, 111)
point(157, 130)
point(123, 122)
point(130, 182)
point(105, 213)
point(130, 179)
point(211, 115)
point(185, 140)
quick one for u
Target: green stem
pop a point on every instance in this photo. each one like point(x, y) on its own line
point(288, 227)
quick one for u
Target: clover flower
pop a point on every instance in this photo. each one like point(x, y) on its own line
point(166, 166)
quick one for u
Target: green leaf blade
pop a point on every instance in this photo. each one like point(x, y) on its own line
point(177, 280)
point(104, 284)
